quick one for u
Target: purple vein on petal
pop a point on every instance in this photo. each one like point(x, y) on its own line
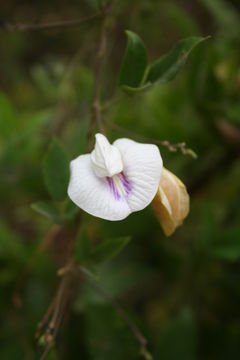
point(126, 184)
point(113, 188)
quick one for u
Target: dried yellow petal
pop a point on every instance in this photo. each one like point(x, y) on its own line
point(171, 203)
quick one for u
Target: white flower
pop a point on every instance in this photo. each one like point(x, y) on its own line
point(115, 180)
point(171, 203)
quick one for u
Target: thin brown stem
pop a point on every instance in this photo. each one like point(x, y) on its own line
point(46, 317)
point(46, 352)
point(64, 294)
point(171, 147)
point(57, 309)
point(96, 115)
point(9, 27)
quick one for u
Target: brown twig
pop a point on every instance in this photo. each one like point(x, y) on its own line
point(57, 310)
point(46, 317)
point(96, 116)
point(171, 147)
point(9, 27)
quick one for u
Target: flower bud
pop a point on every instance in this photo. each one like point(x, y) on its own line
point(171, 203)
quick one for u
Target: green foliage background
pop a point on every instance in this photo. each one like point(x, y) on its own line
point(183, 292)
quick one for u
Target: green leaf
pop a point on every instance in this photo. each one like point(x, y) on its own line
point(90, 272)
point(56, 170)
point(83, 246)
point(57, 212)
point(168, 66)
point(133, 90)
point(48, 210)
point(134, 62)
point(109, 248)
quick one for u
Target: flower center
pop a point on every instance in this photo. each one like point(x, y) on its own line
point(106, 158)
point(107, 163)
point(119, 185)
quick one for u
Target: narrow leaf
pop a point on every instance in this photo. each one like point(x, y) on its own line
point(48, 210)
point(90, 272)
point(134, 90)
point(134, 62)
point(56, 170)
point(70, 210)
point(109, 249)
point(168, 66)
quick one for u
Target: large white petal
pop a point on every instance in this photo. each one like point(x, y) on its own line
point(142, 165)
point(92, 193)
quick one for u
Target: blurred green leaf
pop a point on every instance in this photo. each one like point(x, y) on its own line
point(179, 338)
point(8, 117)
point(109, 248)
point(183, 21)
point(58, 213)
point(52, 355)
point(56, 170)
point(134, 62)
point(42, 77)
point(7, 276)
point(106, 336)
point(228, 245)
point(70, 210)
point(90, 272)
point(48, 210)
point(11, 245)
point(225, 15)
point(233, 113)
point(83, 246)
point(168, 66)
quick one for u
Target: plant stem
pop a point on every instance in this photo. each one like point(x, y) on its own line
point(171, 147)
point(96, 115)
point(8, 27)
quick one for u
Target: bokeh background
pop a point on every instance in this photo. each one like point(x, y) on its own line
point(183, 292)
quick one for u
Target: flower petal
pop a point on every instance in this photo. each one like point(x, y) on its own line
point(142, 166)
point(171, 203)
point(163, 211)
point(92, 193)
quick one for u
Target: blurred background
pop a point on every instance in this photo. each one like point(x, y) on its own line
point(183, 292)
